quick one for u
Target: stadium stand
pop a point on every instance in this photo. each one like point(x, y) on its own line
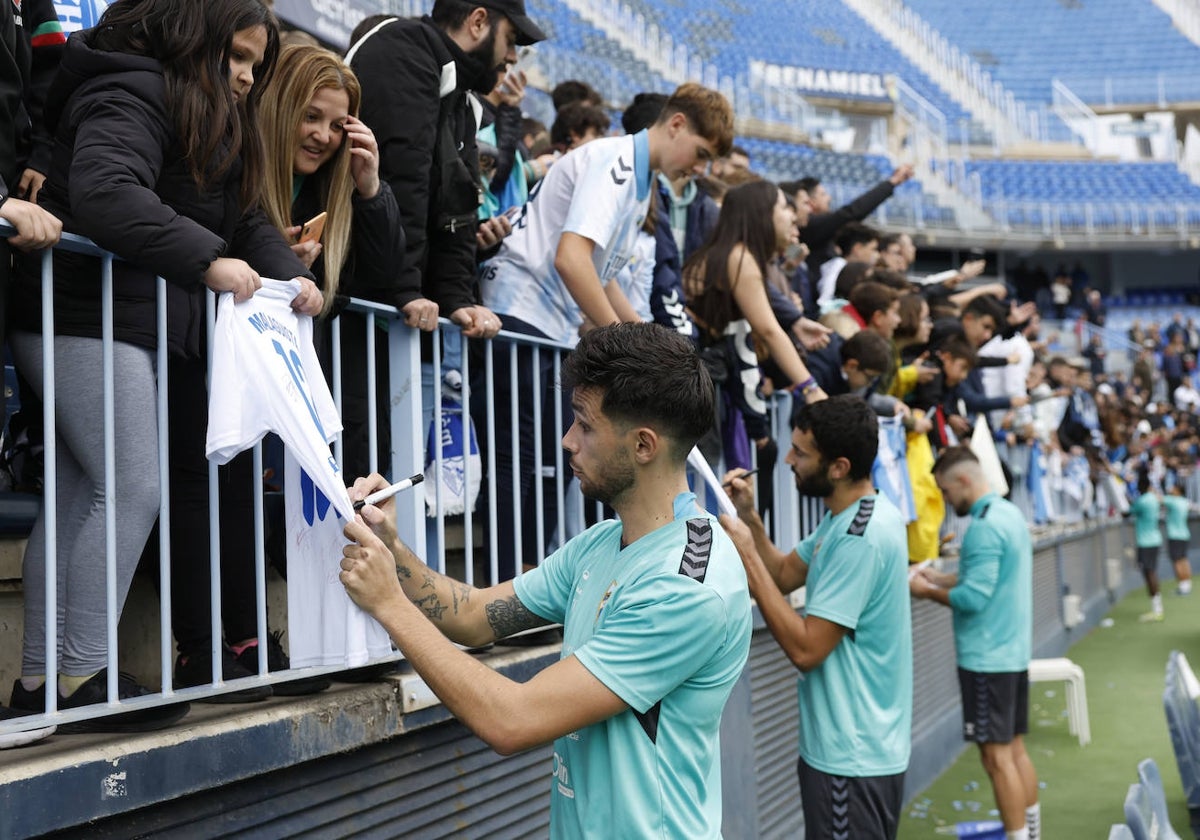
point(1120, 195)
point(846, 175)
point(1156, 63)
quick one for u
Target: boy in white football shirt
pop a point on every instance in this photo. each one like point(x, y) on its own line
point(552, 277)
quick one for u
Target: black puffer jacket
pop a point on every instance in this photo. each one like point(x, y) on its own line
point(117, 176)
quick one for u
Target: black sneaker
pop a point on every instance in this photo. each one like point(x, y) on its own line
point(95, 691)
point(25, 737)
point(277, 661)
point(196, 669)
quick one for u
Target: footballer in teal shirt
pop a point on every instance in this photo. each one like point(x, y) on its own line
point(1147, 536)
point(992, 602)
point(1179, 536)
point(854, 644)
point(655, 607)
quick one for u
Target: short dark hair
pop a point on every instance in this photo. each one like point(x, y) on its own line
point(956, 346)
point(871, 350)
point(651, 376)
point(738, 150)
point(575, 120)
point(871, 297)
point(573, 90)
point(854, 233)
point(808, 183)
point(951, 457)
point(792, 187)
point(851, 275)
point(708, 113)
point(643, 112)
point(887, 240)
point(892, 279)
point(985, 305)
point(842, 427)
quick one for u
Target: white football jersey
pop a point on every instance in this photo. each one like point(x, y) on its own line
point(266, 378)
point(325, 628)
point(600, 191)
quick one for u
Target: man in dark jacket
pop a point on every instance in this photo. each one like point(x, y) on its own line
point(416, 78)
point(823, 225)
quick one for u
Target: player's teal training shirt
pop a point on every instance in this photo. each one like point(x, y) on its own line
point(665, 624)
point(1177, 518)
point(1145, 511)
point(993, 601)
point(856, 706)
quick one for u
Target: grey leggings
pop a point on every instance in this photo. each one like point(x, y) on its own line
point(79, 419)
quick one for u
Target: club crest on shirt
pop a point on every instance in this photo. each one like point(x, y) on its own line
point(604, 600)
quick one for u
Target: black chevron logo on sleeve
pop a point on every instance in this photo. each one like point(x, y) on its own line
point(699, 545)
point(616, 171)
point(859, 526)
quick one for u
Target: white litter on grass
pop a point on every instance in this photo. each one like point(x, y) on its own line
point(1107, 622)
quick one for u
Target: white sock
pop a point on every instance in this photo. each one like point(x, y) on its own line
point(1185, 586)
point(1021, 833)
point(1156, 604)
point(1033, 820)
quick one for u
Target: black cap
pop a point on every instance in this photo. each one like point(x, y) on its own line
point(527, 31)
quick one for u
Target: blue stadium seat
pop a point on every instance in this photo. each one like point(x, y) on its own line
point(1183, 724)
point(1139, 816)
point(1152, 786)
point(1091, 39)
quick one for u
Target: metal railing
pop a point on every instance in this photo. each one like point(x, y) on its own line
point(413, 405)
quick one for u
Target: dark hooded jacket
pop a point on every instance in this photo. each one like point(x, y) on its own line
point(117, 176)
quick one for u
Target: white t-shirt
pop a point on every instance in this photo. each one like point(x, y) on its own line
point(266, 378)
point(600, 191)
point(830, 269)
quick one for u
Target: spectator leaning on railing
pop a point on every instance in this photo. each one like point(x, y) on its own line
point(159, 161)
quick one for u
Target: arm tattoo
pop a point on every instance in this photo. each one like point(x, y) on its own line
point(461, 593)
point(511, 616)
point(432, 606)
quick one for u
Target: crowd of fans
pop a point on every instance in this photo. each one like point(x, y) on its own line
point(422, 177)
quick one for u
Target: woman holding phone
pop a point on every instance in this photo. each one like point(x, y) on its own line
point(322, 161)
point(157, 158)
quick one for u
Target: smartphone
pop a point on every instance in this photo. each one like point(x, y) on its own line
point(524, 59)
point(313, 228)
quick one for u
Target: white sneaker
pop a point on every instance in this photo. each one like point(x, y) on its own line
point(20, 739)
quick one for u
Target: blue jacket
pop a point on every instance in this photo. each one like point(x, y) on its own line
point(666, 291)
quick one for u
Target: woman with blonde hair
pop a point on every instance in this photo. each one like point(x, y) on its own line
point(322, 159)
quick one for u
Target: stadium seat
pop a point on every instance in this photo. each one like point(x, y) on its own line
point(1183, 725)
point(1053, 670)
point(1184, 670)
point(1152, 786)
point(1139, 816)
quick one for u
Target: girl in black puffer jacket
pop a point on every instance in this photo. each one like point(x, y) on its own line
point(156, 158)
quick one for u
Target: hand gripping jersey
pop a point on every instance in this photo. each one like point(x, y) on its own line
point(266, 378)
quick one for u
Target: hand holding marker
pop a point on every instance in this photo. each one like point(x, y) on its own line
point(389, 491)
